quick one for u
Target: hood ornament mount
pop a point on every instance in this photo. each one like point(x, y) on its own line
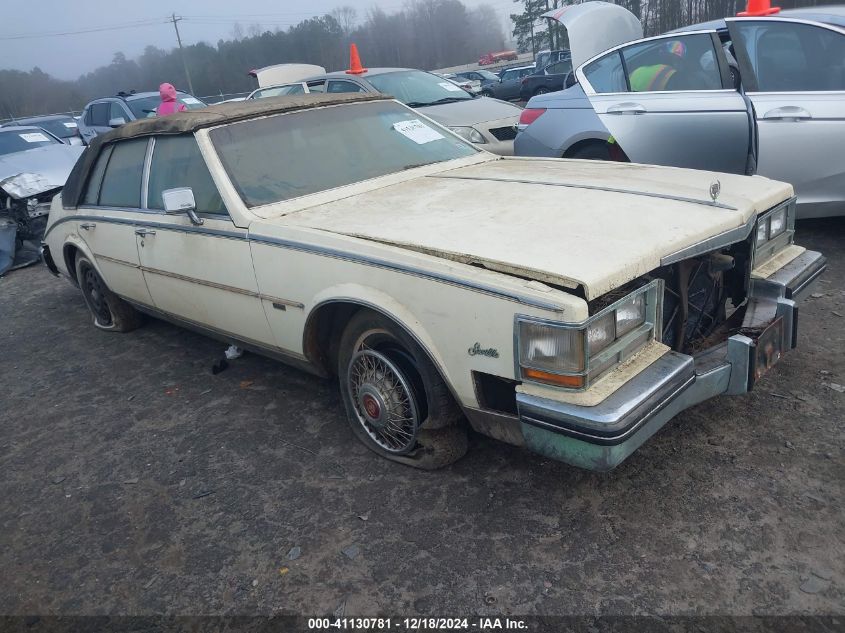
point(715, 190)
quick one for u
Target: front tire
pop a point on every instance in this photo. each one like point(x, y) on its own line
point(541, 91)
point(110, 312)
point(396, 402)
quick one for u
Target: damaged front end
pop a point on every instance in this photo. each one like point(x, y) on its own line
point(727, 316)
point(24, 207)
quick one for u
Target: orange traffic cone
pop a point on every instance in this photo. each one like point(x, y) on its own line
point(756, 8)
point(355, 67)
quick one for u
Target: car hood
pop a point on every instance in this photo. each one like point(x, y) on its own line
point(594, 27)
point(29, 173)
point(563, 222)
point(470, 111)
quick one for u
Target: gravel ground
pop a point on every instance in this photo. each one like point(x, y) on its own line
point(136, 482)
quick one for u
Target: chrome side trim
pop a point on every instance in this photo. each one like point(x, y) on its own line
point(646, 194)
point(114, 260)
point(377, 262)
point(725, 238)
point(217, 286)
point(235, 235)
point(326, 252)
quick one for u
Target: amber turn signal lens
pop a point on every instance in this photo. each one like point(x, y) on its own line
point(570, 382)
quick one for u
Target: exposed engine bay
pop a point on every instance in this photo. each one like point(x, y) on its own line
point(22, 224)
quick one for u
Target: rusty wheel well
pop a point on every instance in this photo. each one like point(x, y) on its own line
point(322, 334)
point(70, 252)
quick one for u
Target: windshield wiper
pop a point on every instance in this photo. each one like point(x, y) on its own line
point(422, 104)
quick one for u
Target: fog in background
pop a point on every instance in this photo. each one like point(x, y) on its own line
point(145, 23)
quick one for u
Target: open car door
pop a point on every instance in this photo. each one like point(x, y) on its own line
point(670, 100)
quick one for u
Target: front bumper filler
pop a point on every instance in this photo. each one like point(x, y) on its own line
point(601, 437)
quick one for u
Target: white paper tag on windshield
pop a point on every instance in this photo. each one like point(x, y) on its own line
point(448, 85)
point(190, 100)
point(70, 125)
point(417, 131)
point(34, 137)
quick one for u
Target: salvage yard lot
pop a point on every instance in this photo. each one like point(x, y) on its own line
point(135, 481)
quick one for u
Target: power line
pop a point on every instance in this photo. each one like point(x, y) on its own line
point(175, 21)
point(115, 27)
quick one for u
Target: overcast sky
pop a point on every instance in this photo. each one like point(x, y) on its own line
point(68, 56)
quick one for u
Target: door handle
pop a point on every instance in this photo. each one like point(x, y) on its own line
point(787, 113)
point(627, 108)
point(87, 226)
point(144, 232)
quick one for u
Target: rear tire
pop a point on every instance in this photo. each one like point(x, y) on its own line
point(110, 312)
point(593, 151)
point(396, 403)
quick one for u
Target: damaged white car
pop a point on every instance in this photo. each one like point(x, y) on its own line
point(33, 168)
point(571, 307)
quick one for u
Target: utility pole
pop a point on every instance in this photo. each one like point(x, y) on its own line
point(174, 19)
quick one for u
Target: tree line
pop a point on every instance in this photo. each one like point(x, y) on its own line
point(425, 34)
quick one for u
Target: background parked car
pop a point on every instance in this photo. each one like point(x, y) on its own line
point(296, 88)
point(61, 126)
point(472, 86)
point(674, 101)
point(507, 86)
point(546, 57)
point(483, 77)
point(486, 122)
point(553, 77)
point(102, 115)
point(34, 166)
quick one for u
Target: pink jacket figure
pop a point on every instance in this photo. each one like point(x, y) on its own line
point(168, 104)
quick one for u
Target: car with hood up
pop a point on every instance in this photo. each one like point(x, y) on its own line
point(570, 307)
point(62, 126)
point(34, 166)
point(745, 94)
point(487, 122)
point(103, 115)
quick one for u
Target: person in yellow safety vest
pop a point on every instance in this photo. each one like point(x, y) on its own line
point(657, 76)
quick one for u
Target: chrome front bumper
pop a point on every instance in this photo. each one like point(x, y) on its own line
point(602, 436)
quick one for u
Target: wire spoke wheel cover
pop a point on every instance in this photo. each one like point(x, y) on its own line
point(383, 401)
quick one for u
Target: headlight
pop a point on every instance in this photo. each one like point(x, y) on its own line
point(774, 230)
point(469, 134)
point(777, 223)
point(574, 355)
point(762, 233)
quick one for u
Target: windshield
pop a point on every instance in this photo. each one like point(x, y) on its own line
point(63, 128)
point(22, 140)
point(417, 89)
point(290, 155)
point(487, 75)
point(143, 107)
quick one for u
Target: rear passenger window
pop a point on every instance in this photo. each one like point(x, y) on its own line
point(92, 191)
point(122, 182)
point(607, 74)
point(177, 162)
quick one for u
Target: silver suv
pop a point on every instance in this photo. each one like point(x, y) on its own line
point(102, 115)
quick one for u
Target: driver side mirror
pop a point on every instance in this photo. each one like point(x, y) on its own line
point(181, 200)
point(117, 121)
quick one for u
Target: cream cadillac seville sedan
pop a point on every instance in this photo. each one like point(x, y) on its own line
point(570, 307)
